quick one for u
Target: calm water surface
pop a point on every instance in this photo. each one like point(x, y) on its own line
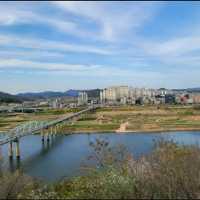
point(64, 155)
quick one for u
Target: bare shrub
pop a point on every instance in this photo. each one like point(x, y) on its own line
point(12, 184)
point(174, 171)
point(170, 172)
point(104, 155)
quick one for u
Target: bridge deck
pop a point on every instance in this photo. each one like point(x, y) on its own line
point(35, 127)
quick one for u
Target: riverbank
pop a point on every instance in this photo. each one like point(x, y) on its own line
point(131, 131)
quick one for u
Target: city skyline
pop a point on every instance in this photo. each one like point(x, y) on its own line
point(100, 89)
point(76, 45)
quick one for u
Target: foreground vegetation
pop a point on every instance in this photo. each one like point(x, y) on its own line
point(170, 171)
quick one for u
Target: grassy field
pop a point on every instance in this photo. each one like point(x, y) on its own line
point(109, 119)
point(139, 118)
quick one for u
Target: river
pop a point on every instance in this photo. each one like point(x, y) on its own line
point(63, 156)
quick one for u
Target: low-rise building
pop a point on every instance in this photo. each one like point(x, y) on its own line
point(196, 98)
point(170, 99)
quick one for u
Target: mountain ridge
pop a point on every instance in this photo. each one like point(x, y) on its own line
point(28, 96)
point(10, 98)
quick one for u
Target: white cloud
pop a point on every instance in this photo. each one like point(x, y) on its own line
point(108, 22)
point(31, 54)
point(114, 21)
point(10, 16)
point(177, 51)
point(33, 43)
point(177, 46)
point(26, 65)
point(17, 65)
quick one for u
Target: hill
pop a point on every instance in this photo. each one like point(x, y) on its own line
point(9, 98)
point(41, 95)
point(49, 94)
point(52, 94)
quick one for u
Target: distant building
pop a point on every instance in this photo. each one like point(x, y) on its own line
point(139, 101)
point(102, 97)
point(115, 93)
point(57, 103)
point(43, 103)
point(190, 101)
point(196, 98)
point(82, 98)
point(123, 100)
point(72, 105)
point(170, 99)
point(162, 91)
point(160, 99)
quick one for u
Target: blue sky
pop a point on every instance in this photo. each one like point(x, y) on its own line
point(63, 45)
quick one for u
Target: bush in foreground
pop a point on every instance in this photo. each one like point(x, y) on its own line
point(170, 171)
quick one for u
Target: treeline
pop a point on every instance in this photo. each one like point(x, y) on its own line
point(9, 98)
point(171, 171)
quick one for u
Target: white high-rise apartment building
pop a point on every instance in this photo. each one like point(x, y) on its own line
point(114, 93)
point(125, 94)
point(82, 98)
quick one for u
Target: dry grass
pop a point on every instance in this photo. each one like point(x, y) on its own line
point(141, 118)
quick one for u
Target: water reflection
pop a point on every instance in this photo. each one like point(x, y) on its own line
point(11, 165)
point(63, 155)
point(18, 163)
point(46, 147)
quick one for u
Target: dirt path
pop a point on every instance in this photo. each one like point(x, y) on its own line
point(122, 128)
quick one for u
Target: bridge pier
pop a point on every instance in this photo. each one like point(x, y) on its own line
point(10, 150)
point(42, 138)
point(55, 131)
point(57, 127)
point(42, 133)
point(48, 137)
point(17, 149)
point(60, 127)
point(48, 134)
point(51, 132)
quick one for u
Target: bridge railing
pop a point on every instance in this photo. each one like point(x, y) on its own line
point(32, 127)
point(22, 130)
